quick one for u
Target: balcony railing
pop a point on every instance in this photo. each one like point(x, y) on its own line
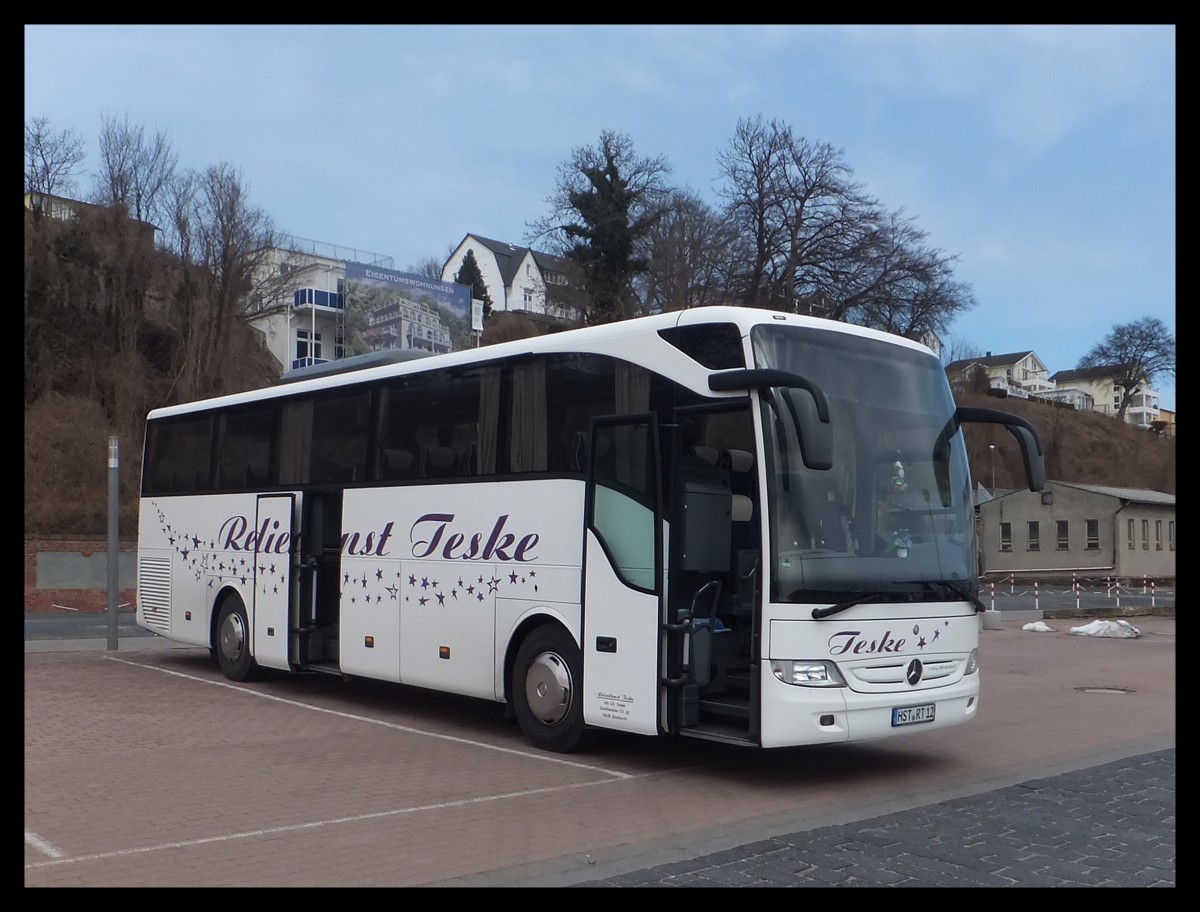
point(314, 297)
point(307, 362)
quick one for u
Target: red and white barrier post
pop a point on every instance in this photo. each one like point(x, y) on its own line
point(990, 619)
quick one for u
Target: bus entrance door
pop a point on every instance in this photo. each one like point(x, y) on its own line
point(272, 574)
point(622, 600)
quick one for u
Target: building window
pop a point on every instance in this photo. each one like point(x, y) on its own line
point(1093, 534)
point(308, 345)
point(1171, 534)
point(1062, 538)
point(1047, 498)
point(1145, 535)
point(1130, 535)
point(1158, 535)
point(1005, 536)
point(528, 294)
point(1035, 543)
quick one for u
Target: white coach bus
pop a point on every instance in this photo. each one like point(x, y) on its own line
point(721, 523)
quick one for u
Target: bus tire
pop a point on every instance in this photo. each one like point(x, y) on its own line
point(233, 641)
point(545, 688)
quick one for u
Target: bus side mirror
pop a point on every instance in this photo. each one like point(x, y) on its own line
point(1035, 462)
point(816, 436)
point(1025, 433)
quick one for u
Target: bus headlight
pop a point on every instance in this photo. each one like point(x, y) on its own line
point(972, 663)
point(804, 673)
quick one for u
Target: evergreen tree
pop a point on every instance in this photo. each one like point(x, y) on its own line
point(606, 205)
point(469, 273)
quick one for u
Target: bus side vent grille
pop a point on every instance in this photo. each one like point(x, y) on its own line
point(154, 592)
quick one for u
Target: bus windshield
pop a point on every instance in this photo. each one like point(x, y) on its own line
point(895, 510)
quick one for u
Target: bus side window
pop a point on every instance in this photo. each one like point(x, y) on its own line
point(438, 462)
point(462, 441)
point(397, 463)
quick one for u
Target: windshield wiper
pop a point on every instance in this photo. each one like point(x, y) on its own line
point(948, 587)
point(819, 613)
point(961, 590)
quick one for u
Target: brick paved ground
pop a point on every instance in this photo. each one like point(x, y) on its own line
point(145, 767)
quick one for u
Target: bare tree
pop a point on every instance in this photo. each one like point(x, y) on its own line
point(135, 171)
point(956, 349)
point(52, 158)
point(1137, 352)
point(899, 285)
point(429, 267)
point(689, 245)
point(224, 244)
point(793, 206)
point(811, 241)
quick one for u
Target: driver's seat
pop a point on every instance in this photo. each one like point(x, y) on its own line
point(826, 518)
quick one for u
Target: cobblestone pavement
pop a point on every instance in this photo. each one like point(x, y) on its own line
point(1106, 826)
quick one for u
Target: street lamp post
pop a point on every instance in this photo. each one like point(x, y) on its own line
point(992, 447)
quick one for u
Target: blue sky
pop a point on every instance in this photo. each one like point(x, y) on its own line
point(1042, 157)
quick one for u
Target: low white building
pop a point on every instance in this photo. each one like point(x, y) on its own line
point(1069, 528)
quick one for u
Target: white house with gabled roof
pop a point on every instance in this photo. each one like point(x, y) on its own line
point(518, 279)
point(1020, 374)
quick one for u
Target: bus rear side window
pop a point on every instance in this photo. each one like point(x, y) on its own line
point(178, 455)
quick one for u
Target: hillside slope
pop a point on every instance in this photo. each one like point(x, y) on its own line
point(1081, 447)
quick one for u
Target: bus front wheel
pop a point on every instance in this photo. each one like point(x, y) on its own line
point(233, 642)
point(546, 695)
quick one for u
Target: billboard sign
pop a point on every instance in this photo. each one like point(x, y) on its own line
point(404, 310)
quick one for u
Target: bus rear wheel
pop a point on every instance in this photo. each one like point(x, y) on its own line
point(546, 696)
point(233, 642)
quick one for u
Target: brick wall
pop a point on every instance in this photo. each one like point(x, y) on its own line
point(45, 600)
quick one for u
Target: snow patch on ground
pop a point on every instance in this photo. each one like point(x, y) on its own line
point(1038, 627)
point(1119, 629)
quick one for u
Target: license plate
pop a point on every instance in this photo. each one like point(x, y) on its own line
point(911, 715)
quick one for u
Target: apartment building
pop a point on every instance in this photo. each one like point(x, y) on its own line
point(1103, 385)
point(314, 302)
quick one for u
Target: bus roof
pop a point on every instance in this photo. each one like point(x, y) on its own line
point(606, 338)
